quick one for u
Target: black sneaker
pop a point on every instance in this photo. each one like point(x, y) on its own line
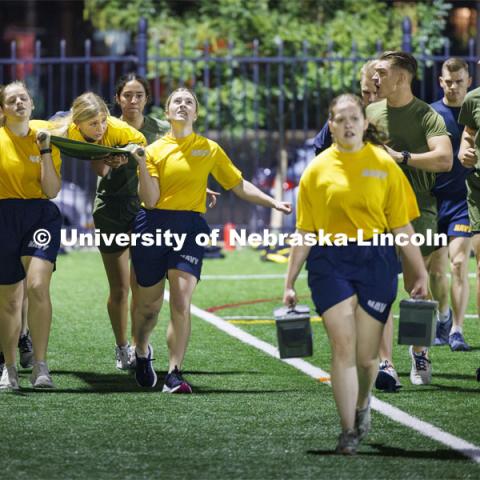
point(26, 350)
point(174, 383)
point(144, 373)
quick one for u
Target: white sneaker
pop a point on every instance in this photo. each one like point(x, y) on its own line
point(9, 380)
point(132, 359)
point(122, 356)
point(40, 377)
point(421, 372)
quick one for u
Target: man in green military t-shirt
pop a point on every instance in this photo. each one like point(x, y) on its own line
point(417, 139)
point(468, 155)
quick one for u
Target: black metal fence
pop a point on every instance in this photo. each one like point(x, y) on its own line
point(261, 109)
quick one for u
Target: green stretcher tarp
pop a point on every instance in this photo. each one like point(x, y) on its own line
point(85, 150)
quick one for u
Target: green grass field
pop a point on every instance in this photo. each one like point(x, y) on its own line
point(251, 415)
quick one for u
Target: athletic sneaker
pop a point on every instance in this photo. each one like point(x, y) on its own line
point(174, 383)
point(458, 343)
point(363, 421)
point(132, 359)
point(443, 330)
point(9, 380)
point(144, 373)
point(122, 357)
point(26, 350)
point(421, 372)
point(347, 443)
point(387, 378)
point(40, 377)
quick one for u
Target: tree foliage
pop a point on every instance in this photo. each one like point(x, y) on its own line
point(322, 31)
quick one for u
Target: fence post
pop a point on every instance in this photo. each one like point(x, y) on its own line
point(142, 44)
point(407, 35)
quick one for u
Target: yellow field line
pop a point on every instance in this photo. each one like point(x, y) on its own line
point(264, 322)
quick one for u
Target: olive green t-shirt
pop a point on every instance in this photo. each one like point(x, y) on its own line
point(408, 128)
point(470, 116)
point(153, 129)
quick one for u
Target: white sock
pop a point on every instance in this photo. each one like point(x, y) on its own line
point(140, 353)
point(444, 316)
point(455, 329)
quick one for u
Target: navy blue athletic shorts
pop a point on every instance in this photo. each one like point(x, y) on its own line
point(369, 272)
point(453, 218)
point(151, 263)
point(28, 227)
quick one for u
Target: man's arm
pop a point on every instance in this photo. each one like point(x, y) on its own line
point(467, 154)
point(438, 159)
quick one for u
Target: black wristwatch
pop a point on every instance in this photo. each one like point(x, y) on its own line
point(43, 151)
point(406, 156)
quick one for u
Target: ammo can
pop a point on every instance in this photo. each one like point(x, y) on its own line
point(294, 333)
point(418, 320)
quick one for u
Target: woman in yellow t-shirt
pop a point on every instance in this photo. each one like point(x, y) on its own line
point(172, 186)
point(116, 204)
point(354, 188)
point(29, 231)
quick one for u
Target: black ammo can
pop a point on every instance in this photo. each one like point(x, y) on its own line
point(294, 332)
point(418, 321)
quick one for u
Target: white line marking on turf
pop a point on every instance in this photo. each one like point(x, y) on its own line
point(465, 448)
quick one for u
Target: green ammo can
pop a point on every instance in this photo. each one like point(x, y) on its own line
point(294, 333)
point(418, 320)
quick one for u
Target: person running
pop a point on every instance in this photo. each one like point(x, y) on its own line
point(116, 203)
point(418, 141)
point(132, 96)
point(451, 194)
point(469, 153)
point(29, 231)
point(352, 186)
point(387, 377)
point(172, 186)
point(368, 92)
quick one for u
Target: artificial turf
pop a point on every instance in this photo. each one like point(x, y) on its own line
point(251, 416)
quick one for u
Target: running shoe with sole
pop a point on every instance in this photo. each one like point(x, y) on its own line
point(144, 373)
point(387, 378)
point(175, 383)
point(363, 421)
point(9, 380)
point(443, 330)
point(347, 443)
point(421, 372)
point(457, 343)
point(122, 357)
point(26, 350)
point(132, 359)
point(41, 377)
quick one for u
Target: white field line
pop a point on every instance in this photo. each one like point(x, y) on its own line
point(465, 448)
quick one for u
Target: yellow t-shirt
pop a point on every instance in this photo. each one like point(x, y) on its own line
point(118, 133)
point(20, 163)
point(341, 193)
point(182, 167)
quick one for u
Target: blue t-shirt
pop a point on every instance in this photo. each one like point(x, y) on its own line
point(323, 139)
point(451, 185)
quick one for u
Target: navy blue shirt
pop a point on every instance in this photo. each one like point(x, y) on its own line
point(451, 184)
point(322, 140)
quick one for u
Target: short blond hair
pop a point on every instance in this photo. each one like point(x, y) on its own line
point(368, 69)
